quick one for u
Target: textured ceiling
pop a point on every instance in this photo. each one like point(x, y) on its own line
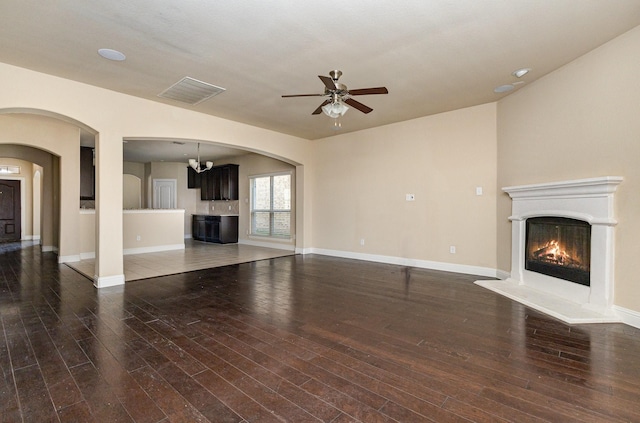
point(433, 56)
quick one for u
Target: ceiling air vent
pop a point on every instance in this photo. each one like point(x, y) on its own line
point(191, 91)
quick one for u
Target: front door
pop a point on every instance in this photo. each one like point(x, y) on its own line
point(9, 210)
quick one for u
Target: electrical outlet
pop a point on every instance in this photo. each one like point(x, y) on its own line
point(452, 249)
point(138, 238)
point(478, 190)
point(411, 197)
point(361, 241)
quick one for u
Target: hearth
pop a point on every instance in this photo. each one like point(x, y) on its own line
point(559, 247)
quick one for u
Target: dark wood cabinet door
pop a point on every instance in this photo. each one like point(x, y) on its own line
point(198, 228)
point(193, 178)
point(229, 183)
point(206, 186)
point(216, 176)
point(228, 229)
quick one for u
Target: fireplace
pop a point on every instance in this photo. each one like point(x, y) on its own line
point(559, 247)
point(562, 249)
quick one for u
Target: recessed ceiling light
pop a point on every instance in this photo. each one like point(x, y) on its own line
point(503, 88)
point(519, 73)
point(111, 54)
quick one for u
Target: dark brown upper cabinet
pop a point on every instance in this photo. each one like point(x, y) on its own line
point(87, 174)
point(219, 183)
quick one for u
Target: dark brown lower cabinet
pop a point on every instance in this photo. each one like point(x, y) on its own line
point(220, 229)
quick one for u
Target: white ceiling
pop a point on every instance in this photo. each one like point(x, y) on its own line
point(174, 150)
point(433, 56)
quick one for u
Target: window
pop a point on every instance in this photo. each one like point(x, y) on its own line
point(271, 205)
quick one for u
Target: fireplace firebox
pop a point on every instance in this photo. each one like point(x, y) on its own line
point(559, 247)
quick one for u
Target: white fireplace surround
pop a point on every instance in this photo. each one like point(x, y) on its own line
point(590, 200)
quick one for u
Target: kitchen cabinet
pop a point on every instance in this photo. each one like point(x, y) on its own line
point(220, 229)
point(87, 174)
point(220, 183)
point(193, 178)
point(229, 182)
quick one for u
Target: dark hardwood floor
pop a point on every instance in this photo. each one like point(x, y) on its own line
point(298, 339)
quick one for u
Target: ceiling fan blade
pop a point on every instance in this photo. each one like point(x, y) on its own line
point(366, 91)
point(303, 95)
point(328, 82)
point(357, 105)
point(319, 109)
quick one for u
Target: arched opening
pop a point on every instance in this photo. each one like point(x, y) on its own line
point(36, 172)
point(60, 138)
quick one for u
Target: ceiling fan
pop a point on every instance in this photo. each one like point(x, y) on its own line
point(338, 94)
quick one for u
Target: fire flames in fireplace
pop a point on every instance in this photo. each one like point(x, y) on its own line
point(553, 253)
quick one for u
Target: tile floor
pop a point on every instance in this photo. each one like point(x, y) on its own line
point(196, 256)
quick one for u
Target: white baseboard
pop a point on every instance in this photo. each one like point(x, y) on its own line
point(275, 245)
point(629, 317)
point(402, 261)
point(107, 281)
point(87, 256)
point(48, 248)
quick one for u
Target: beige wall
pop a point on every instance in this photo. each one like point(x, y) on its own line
point(139, 223)
point(137, 170)
point(581, 121)
point(362, 179)
point(131, 192)
point(133, 168)
point(186, 198)
point(43, 140)
point(114, 117)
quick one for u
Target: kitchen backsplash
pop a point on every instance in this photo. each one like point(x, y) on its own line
point(218, 207)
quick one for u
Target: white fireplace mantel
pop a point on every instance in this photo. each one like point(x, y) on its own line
point(590, 200)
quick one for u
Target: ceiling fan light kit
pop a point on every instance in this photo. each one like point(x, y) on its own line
point(334, 110)
point(338, 96)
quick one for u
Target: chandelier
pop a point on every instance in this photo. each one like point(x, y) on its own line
point(195, 163)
